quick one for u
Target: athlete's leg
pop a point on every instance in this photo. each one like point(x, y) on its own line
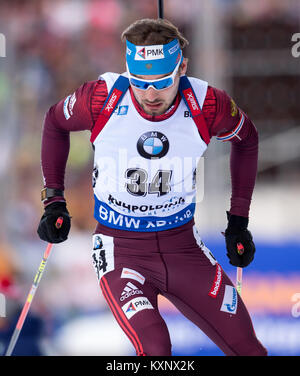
point(202, 291)
point(132, 300)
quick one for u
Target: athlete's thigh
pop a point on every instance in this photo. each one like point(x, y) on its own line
point(131, 298)
point(201, 290)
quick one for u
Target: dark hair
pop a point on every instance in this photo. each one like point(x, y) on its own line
point(147, 32)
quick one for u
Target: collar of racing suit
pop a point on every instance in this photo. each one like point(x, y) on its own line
point(164, 116)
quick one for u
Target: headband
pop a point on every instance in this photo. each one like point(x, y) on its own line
point(155, 59)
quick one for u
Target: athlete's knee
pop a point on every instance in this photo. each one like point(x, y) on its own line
point(156, 349)
point(156, 341)
point(252, 347)
point(257, 350)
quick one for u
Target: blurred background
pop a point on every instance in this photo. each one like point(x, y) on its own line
point(52, 47)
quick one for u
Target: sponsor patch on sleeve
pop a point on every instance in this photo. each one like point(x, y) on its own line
point(136, 305)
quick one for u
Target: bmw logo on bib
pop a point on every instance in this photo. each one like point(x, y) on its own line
point(153, 145)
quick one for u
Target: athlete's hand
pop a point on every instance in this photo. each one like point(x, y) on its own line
point(235, 233)
point(47, 230)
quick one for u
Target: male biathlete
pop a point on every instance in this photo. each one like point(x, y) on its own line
point(149, 128)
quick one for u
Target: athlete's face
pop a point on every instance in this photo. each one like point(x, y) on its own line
point(156, 102)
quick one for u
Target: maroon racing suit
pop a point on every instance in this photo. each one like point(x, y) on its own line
point(134, 267)
point(176, 264)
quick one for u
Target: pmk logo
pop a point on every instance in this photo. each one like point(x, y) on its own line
point(131, 308)
point(142, 53)
point(135, 305)
point(149, 52)
point(2, 45)
point(2, 305)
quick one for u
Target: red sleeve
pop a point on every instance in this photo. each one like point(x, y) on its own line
point(228, 122)
point(77, 112)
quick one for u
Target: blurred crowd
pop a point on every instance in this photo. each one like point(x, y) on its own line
point(52, 48)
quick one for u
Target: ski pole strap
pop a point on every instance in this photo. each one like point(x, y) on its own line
point(190, 99)
point(113, 99)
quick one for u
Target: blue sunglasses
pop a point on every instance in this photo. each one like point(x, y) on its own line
point(159, 84)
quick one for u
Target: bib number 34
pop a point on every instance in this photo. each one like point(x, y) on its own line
point(138, 184)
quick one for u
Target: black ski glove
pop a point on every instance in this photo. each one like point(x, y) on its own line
point(47, 230)
point(236, 233)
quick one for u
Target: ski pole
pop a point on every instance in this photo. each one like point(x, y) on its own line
point(239, 271)
point(31, 294)
point(160, 5)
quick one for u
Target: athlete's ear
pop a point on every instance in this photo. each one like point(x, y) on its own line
point(183, 66)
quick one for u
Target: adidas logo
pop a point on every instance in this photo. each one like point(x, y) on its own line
point(129, 290)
